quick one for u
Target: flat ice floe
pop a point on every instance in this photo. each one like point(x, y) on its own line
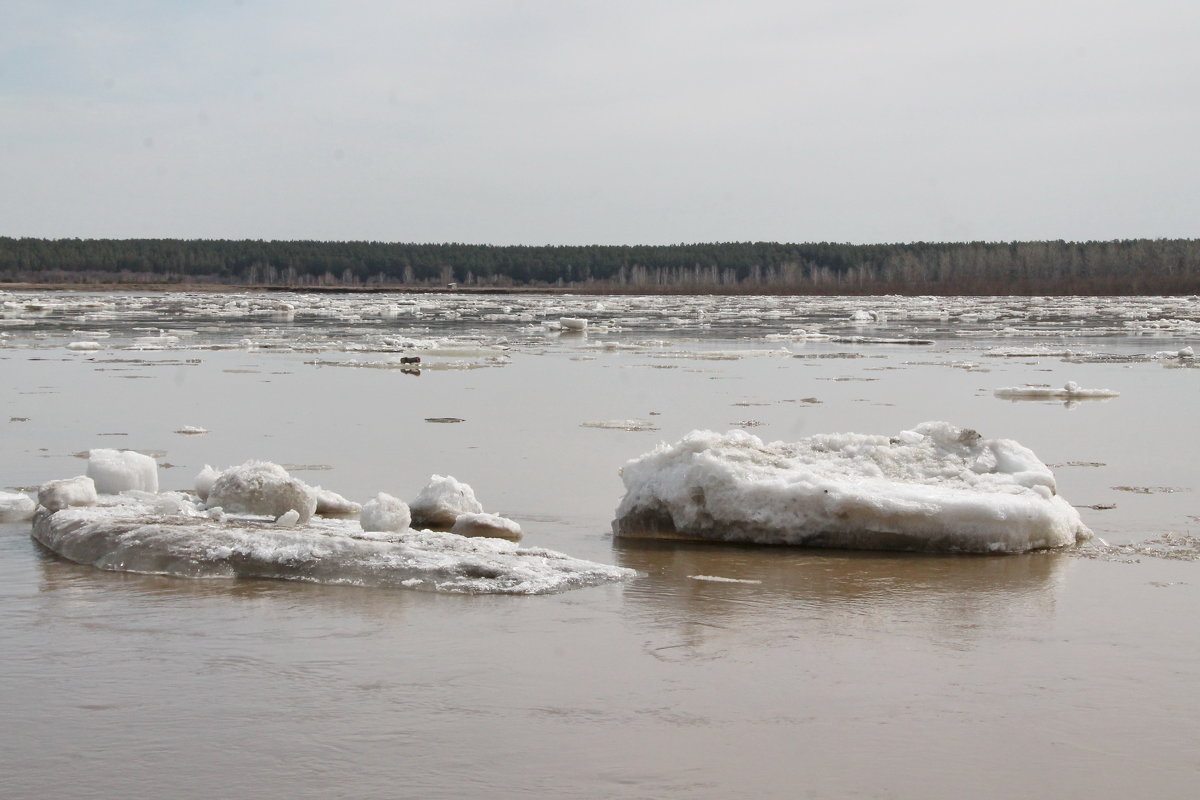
point(172, 534)
point(1071, 391)
point(934, 488)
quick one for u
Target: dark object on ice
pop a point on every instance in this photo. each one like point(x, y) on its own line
point(410, 359)
point(444, 419)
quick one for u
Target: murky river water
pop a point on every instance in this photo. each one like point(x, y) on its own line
point(816, 673)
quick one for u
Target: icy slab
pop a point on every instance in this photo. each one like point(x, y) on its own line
point(116, 471)
point(441, 501)
point(205, 480)
point(15, 506)
point(385, 513)
point(934, 488)
point(1071, 391)
point(178, 537)
point(260, 487)
point(77, 491)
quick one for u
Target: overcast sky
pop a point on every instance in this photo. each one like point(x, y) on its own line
point(612, 122)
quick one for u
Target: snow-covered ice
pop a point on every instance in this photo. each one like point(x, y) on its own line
point(385, 513)
point(115, 471)
point(936, 487)
point(174, 535)
point(441, 501)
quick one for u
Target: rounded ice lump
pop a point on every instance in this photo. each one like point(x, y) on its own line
point(936, 487)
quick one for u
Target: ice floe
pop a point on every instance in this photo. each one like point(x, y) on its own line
point(1070, 391)
point(260, 487)
point(60, 494)
point(172, 534)
point(441, 502)
point(936, 487)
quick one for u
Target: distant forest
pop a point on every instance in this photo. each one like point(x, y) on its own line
point(1135, 266)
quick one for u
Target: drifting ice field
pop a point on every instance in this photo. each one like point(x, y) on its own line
point(716, 669)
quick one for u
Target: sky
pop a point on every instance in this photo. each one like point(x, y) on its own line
point(612, 122)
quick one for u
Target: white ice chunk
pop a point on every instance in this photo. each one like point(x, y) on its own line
point(116, 471)
point(192, 430)
point(385, 513)
point(260, 487)
point(16, 506)
point(288, 519)
point(84, 346)
point(205, 480)
point(486, 525)
point(935, 488)
point(128, 535)
point(573, 323)
point(441, 501)
point(332, 503)
point(77, 491)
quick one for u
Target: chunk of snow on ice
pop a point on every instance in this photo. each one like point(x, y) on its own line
point(1071, 391)
point(77, 491)
point(129, 535)
point(385, 513)
point(935, 488)
point(115, 471)
point(260, 487)
point(441, 501)
point(486, 525)
point(288, 519)
point(16, 506)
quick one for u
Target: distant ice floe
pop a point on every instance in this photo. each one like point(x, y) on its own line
point(936, 487)
point(621, 425)
point(1071, 391)
point(192, 430)
point(260, 522)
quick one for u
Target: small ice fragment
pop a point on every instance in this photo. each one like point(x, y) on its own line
point(16, 507)
point(115, 471)
point(77, 491)
point(573, 323)
point(192, 430)
point(84, 346)
point(260, 487)
point(1187, 352)
point(486, 525)
point(288, 519)
point(385, 514)
point(441, 501)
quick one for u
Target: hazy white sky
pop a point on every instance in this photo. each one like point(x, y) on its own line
point(610, 122)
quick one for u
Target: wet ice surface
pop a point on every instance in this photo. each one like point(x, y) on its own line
point(720, 670)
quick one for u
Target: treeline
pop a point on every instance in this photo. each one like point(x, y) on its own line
point(1135, 266)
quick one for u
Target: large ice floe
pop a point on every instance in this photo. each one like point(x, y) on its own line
point(936, 488)
point(256, 521)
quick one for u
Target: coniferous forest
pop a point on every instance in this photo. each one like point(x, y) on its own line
point(1135, 266)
